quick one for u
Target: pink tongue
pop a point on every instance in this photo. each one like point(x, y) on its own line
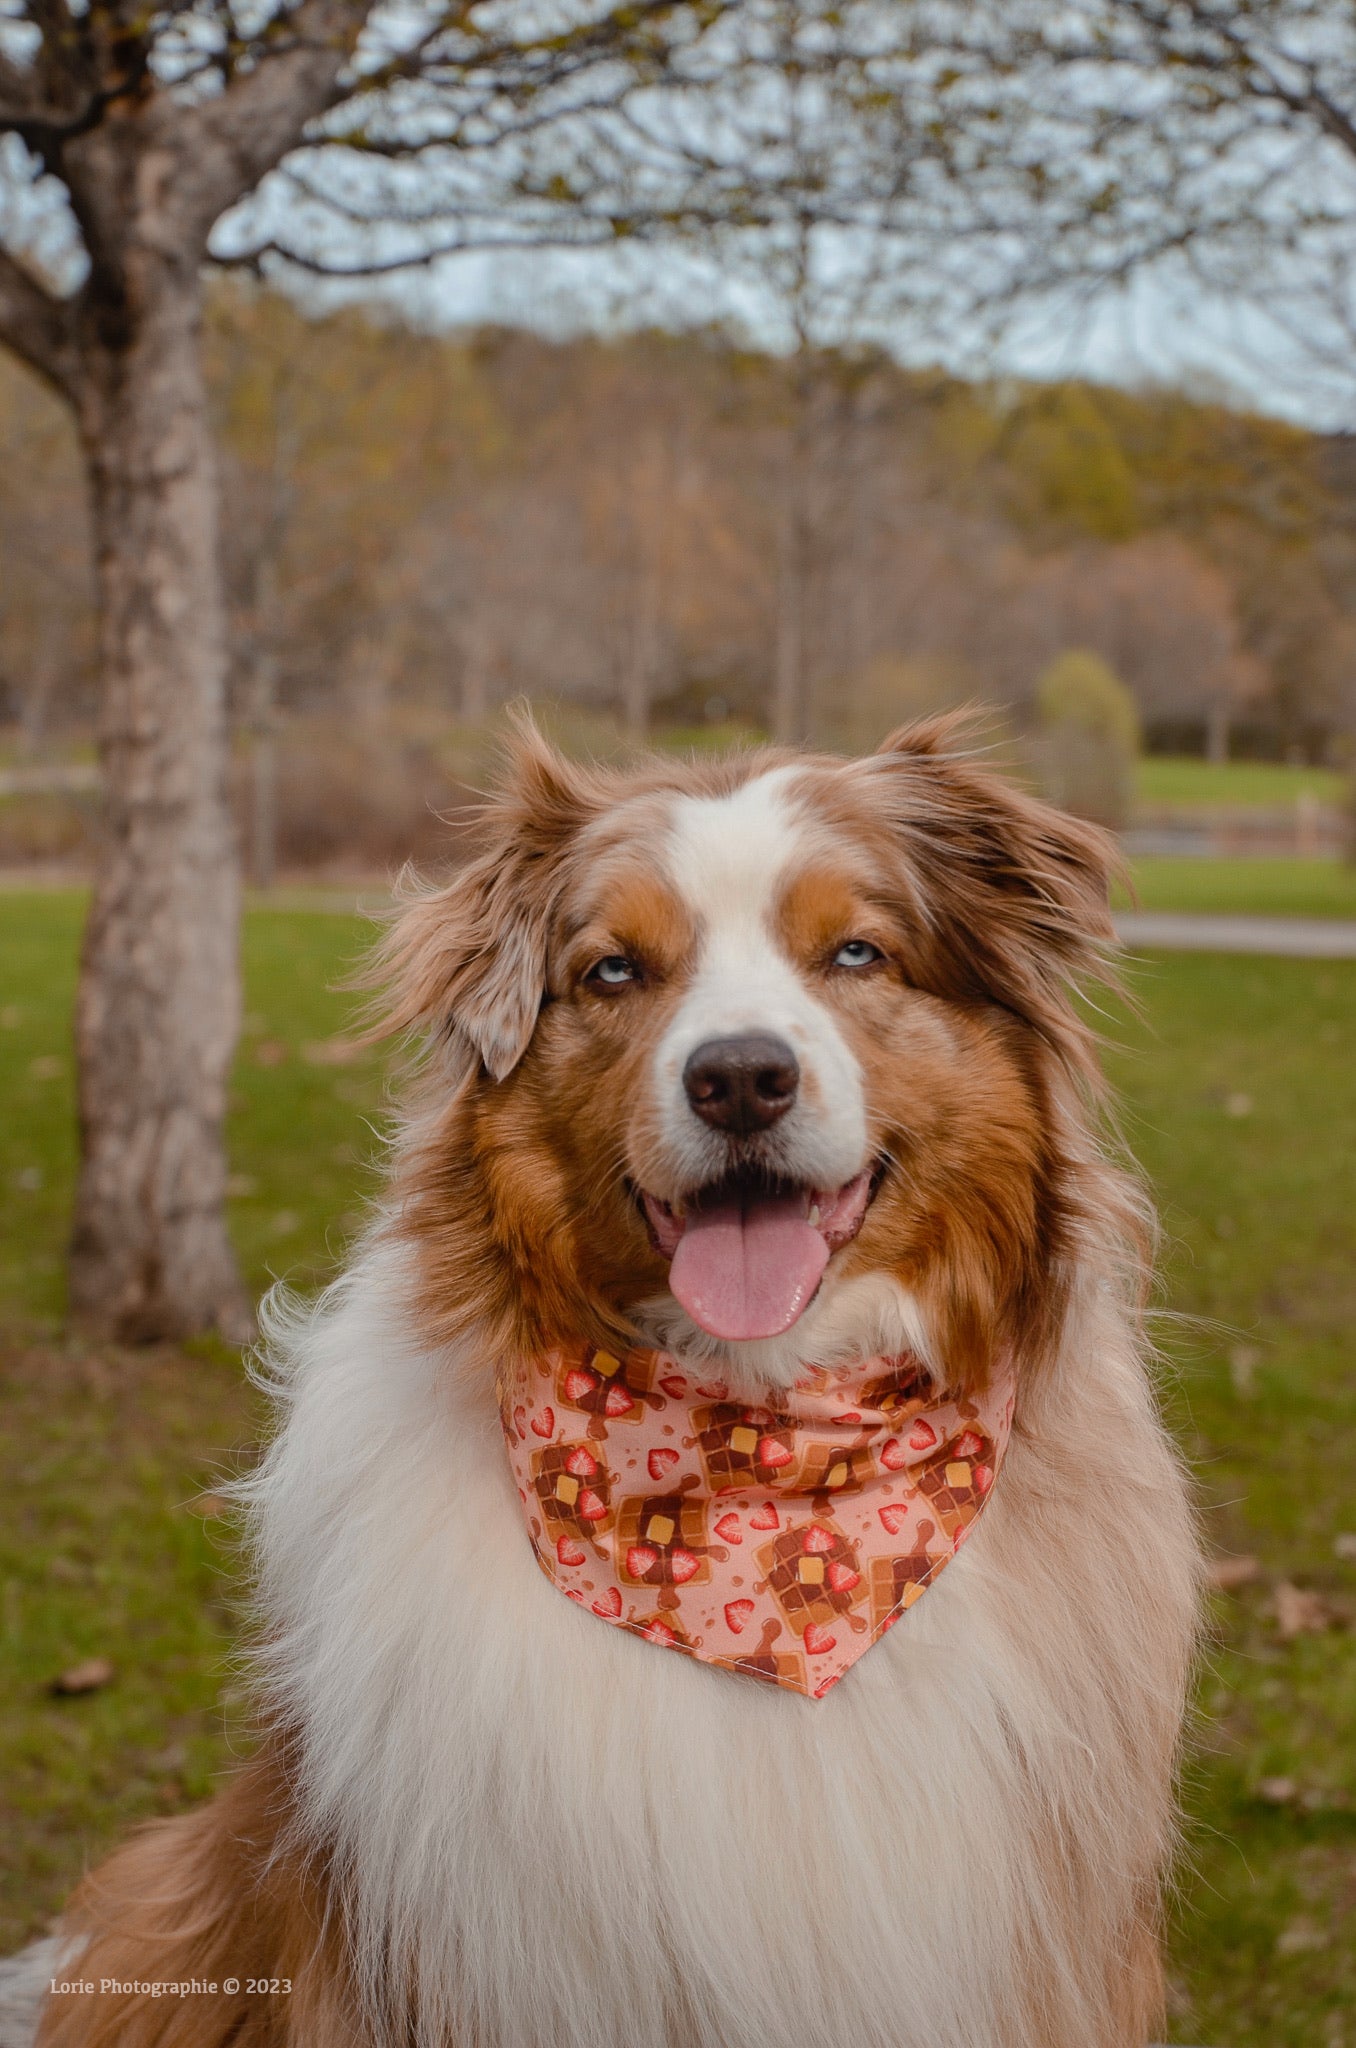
point(747, 1269)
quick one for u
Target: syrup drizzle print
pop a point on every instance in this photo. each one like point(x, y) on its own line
point(777, 1542)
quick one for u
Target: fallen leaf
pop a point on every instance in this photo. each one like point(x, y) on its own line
point(1244, 1360)
point(331, 1052)
point(238, 1185)
point(284, 1223)
point(1344, 1546)
point(1238, 1105)
point(1228, 1573)
point(1300, 1938)
point(1300, 1612)
point(87, 1677)
point(28, 1179)
point(1277, 1791)
point(210, 1506)
point(47, 1067)
point(269, 1052)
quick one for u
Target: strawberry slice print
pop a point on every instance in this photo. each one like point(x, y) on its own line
point(728, 1529)
point(969, 1445)
point(771, 1453)
point(570, 1552)
point(641, 1559)
point(609, 1607)
point(581, 1463)
point(983, 1476)
point(894, 1517)
point(544, 1422)
point(818, 1642)
point(618, 1402)
point(923, 1436)
point(674, 1385)
point(580, 1383)
point(683, 1565)
point(892, 1455)
point(660, 1462)
point(738, 1615)
point(590, 1507)
point(659, 1632)
point(765, 1517)
point(817, 1541)
point(842, 1578)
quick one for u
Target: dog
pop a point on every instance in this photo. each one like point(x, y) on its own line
point(743, 1082)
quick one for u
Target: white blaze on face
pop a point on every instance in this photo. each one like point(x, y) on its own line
point(728, 857)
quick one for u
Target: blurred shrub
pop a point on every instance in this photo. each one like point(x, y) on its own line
point(54, 826)
point(1087, 741)
point(353, 799)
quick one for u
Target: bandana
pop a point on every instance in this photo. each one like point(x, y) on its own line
point(778, 1542)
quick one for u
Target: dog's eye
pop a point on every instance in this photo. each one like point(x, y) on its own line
point(857, 953)
point(616, 971)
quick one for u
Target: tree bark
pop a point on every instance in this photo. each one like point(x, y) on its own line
point(639, 653)
point(790, 710)
point(158, 1006)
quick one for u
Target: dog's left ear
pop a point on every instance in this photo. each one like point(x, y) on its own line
point(1012, 895)
point(465, 963)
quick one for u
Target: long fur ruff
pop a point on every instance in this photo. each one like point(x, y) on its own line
point(480, 1820)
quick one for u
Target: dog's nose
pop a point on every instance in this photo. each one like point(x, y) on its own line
point(742, 1083)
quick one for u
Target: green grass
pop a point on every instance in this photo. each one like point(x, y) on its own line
point(1168, 780)
point(1242, 1104)
point(1268, 887)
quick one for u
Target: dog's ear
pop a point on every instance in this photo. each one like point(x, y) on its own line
point(1012, 896)
point(465, 963)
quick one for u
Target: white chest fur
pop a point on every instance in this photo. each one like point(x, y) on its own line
point(569, 1839)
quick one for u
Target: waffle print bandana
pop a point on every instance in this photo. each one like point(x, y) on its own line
point(781, 1543)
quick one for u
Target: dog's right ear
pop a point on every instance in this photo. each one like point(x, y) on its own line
point(465, 962)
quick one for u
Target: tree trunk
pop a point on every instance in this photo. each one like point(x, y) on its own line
point(157, 1012)
point(640, 653)
point(790, 711)
point(1217, 730)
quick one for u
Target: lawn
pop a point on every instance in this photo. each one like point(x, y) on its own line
point(1165, 780)
point(1241, 1096)
point(1267, 886)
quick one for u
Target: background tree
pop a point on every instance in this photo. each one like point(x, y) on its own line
point(1210, 142)
point(140, 140)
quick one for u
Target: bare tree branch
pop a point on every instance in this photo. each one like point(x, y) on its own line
point(37, 326)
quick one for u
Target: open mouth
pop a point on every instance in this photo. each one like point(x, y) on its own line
point(747, 1254)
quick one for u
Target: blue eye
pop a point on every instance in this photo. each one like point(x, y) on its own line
point(614, 972)
point(857, 953)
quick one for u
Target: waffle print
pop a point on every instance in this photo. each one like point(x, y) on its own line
point(778, 1543)
point(758, 1447)
point(574, 1488)
point(815, 1574)
point(896, 1582)
point(661, 1541)
point(955, 1479)
point(611, 1389)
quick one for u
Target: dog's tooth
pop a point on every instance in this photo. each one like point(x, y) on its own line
point(814, 1216)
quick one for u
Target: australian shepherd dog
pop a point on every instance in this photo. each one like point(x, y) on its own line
point(743, 1083)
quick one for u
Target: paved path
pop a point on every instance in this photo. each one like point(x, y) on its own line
point(1298, 938)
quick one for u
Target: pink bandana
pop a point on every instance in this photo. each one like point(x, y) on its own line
point(778, 1542)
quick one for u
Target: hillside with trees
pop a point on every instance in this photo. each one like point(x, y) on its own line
point(419, 528)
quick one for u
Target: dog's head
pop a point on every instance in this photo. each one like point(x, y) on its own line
point(769, 1060)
